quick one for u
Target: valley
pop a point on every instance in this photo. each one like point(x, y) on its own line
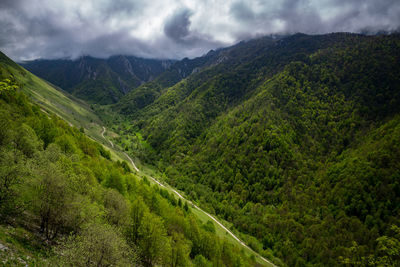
point(277, 151)
point(78, 115)
point(194, 207)
point(267, 151)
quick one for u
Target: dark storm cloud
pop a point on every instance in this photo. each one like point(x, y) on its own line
point(9, 3)
point(177, 26)
point(177, 29)
point(174, 28)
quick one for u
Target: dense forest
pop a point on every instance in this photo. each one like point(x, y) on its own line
point(295, 140)
point(64, 202)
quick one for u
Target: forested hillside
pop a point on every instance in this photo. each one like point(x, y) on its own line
point(197, 70)
point(98, 80)
point(292, 139)
point(296, 143)
point(63, 202)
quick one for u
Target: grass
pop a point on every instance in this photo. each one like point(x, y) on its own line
point(54, 100)
point(20, 247)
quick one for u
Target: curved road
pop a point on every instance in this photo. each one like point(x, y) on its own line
point(112, 145)
point(195, 206)
point(133, 164)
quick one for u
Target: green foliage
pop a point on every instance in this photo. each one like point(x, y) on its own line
point(62, 188)
point(51, 197)
point(388, 249)
point(96, 245)
point(27, 141)
point(293, 140)
point(117, 209)
point(153, 241)
point(96, 80)
point(114, 179)
point(138, 209)
point(12, 172)
point(180, 249)
point(6, 85)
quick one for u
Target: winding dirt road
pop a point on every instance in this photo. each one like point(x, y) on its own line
point(112, 145)
point(194, 205)
point(133, 164)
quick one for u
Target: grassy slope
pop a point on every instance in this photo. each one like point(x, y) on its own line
point(55, 101)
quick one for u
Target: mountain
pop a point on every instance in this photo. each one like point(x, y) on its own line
point(97, 80)
point(216, 62)
point(65, 201)
point(51, 99)
point(293, 139)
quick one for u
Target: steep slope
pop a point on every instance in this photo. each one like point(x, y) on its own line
point(289, 145)
point(63, 201)
point(52, 99)
point(189, 107)
point(215, 62)
point(97, 80)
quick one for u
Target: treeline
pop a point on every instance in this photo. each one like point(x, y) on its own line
point(86, 209)
point(298, 147)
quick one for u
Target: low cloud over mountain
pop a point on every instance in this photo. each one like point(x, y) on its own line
point(171, 28)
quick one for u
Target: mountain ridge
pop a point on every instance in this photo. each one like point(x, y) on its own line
point(60, 189)
point(255, 138)
point(98, 80)
point(293, 140)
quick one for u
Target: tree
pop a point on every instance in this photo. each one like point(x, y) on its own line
point(180, 249)
point(5, 124)
point(153, 240)
point(97, 245)
point(51, 196)
point(186, 207)
point(27, 141)
point(138, 209)
point(65, 142)
point(115, 180)
point(200, 261)
point(388, 249)
point(116, 207)
point(12, 169)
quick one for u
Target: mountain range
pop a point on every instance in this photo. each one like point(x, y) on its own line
point(69, 196)
point(292, 140)
point(98, 80)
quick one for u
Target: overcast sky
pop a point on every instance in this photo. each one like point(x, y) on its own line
point(31, 29)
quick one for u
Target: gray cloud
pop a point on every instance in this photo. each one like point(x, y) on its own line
point(177, 29)
point(174, 28)
point(7, 4)
point(177, 26)
point(242, 12)
point(320, 16)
